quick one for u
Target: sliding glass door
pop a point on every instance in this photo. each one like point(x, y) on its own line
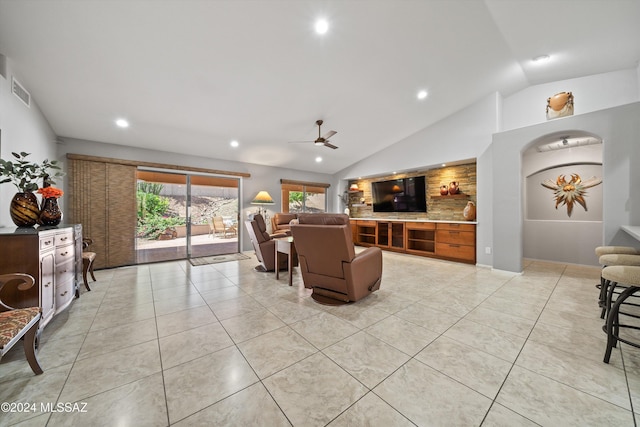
point(185, 215)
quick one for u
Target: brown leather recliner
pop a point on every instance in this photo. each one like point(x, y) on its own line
point(264, 245)
point(328, 260)
point(280, 223)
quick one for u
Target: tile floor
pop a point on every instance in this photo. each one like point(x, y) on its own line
point(441, 344)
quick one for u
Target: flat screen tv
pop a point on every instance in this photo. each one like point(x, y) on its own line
point(400, 195)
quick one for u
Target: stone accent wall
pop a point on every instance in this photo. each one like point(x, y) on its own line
point(439, 207)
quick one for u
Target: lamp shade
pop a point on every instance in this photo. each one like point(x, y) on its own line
point(262, 198)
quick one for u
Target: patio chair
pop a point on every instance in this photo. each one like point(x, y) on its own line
point(223, 227)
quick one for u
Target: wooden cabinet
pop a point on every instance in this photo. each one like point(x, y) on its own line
point(420, 238)
point(366, 233)
point(49, 255)
point(456, 241)
point(447, 240)
point(390, 235)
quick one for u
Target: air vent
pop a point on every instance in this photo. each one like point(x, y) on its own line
point(20, 92)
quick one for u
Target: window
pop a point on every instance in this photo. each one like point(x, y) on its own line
point(303, 196)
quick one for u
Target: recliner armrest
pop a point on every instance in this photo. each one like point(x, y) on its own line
point(366, 268)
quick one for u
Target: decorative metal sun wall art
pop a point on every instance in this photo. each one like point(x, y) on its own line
point(566, 193)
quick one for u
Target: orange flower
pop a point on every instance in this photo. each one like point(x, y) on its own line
point(48, 192)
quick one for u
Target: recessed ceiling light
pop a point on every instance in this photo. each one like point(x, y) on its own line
point(318, 159)
point(541, 59)
point(122, 123)
point(321, 26)
point(234, 143)
point(422, 94)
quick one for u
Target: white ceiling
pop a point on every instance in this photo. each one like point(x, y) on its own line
point(192, 75)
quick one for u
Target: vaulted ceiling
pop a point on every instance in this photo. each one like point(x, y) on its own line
point(191, 76)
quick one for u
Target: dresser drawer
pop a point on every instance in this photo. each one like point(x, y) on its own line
point(456, 237)
point(47, 242)
point(65, 272)
point(64, 238)
point(64, 295)
point(456, 226)
point(448, 250)
point(64, 253)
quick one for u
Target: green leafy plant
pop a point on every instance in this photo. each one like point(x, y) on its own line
point(297, 199)
point(150, 187)
point(24, 174)
point(153, 226)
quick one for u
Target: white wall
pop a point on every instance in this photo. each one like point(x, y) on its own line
point(591, 93)
point(23, 129)
point(262, 177)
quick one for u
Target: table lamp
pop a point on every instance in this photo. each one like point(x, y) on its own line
point(262, 198)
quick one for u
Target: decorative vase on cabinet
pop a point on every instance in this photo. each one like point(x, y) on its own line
point(24, 209)
point(453, 187)
point(444, 190)
point(469, 212)
point(50, 213)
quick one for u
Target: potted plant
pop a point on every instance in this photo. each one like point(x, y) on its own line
point(24, 174)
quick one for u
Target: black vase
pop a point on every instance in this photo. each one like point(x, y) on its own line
point(50, 213)
point(24, 209)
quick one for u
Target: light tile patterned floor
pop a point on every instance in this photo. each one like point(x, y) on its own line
point(441, 344)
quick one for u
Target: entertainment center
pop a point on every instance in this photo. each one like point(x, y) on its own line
point(454, 241)
point(410, 213)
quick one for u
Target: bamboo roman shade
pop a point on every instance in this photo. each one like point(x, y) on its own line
point(103, 199)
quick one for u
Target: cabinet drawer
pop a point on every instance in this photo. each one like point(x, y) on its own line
point(46, 242)
point(456, 237)
point(456, 226)
point(65, 272)
point(367, 223)
point(421, 225)
point(64, 294)
point(64, 253)
point(65, 238)
point(461, 252)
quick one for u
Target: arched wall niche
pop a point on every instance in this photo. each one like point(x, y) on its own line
point(565, 230)
point(619, 130)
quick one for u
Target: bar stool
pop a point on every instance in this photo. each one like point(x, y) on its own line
point(606, 250)
point(629, 276)
point(606, 291)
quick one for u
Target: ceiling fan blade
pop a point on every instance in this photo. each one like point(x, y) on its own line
point(326, 144)
point(329, 134)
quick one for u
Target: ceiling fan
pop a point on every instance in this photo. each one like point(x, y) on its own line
point(322, 140)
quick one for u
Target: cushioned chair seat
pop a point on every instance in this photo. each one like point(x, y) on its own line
point(14, 321)
point(19, 323)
